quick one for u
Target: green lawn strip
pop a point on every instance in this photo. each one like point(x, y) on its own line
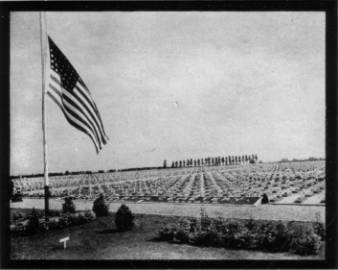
point(99, 240)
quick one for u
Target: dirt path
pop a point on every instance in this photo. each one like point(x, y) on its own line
point(268, 212)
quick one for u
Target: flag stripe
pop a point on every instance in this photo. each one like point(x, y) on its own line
point(88, 106)
point(94, 105)
point(57, 102)
point(76, 114)
point(75, 104)
point(84, 91)
point(71, 107)
point(74, 120)
point(75, 101)
point(91, 109)
point(99, 116)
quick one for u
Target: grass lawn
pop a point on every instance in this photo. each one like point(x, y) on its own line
point(98, 240)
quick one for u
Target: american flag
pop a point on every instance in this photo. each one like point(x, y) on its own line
point(69, 92)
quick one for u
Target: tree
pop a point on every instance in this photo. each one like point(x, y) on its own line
point(180, 163)
point(176, 164)
point(172, 164)
point(183, 163)
point(124, 218)
point(164, 164)
point(99, 207)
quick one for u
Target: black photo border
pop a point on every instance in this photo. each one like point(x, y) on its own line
point(327, 6)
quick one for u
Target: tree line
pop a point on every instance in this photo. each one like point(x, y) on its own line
point(215, 161)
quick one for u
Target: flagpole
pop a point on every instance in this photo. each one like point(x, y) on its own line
point(43, 41)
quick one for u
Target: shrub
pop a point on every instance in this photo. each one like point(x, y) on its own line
point(166, 233)
point(304, 240)
point(77, 219)
point(272, 236)
point(182, 236)
point(33, 224)
point(89, 215)
point(64, 221)
point(68, 206)
point(219, 224)
point(54, 213)
point(206, 238)
point(53, 224)
point(320, 230)
point(205, 221)
point(17, 216)
point(233, 226)
point(124, 219)
point(99, 207)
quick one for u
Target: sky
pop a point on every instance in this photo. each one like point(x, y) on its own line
point(173, 85)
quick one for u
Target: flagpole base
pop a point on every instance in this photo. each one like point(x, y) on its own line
point(46, 202)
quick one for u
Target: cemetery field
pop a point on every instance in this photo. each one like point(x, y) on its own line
point(157, 197)
point(283, 183)
point(98, 241)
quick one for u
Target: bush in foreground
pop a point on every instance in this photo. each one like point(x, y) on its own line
point(167, 232)
point(35, 222)
point(99, 207)
point(68, 206)
point(124, 218)
point(272, 236)
point(304, 240)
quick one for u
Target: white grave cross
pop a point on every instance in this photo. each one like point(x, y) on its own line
point(64, 241)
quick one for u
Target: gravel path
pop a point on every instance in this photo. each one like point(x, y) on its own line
point(268, 212)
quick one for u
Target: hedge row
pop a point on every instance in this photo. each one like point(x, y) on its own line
point(272, 236)
point(34, 222)
point(23, 224)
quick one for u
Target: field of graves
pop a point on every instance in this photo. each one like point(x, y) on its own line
point(160, 198)
point(284, 183)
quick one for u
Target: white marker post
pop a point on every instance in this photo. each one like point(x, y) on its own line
point(64, 241)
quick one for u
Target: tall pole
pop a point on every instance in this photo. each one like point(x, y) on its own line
point(43, 41)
